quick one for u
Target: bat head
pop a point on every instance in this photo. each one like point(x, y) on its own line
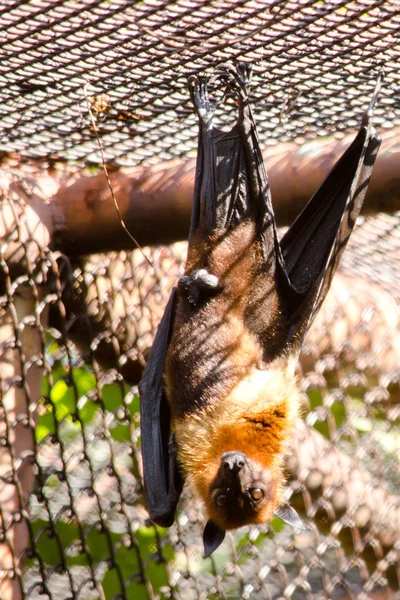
point(243, 493)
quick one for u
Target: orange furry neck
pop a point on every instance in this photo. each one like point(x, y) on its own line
point(256, 418)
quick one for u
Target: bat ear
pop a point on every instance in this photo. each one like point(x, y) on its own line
point(213, 536)
point(289, 516)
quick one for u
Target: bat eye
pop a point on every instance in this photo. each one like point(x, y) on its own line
point(221, 500)
point(256, 494)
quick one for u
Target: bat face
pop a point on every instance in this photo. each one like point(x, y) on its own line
point(243, 492)
point(219, 397)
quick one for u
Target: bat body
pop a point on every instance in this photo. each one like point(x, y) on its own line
point(228, 396)
point(219, 396)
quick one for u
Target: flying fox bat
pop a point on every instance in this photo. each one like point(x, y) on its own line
point(219, 395)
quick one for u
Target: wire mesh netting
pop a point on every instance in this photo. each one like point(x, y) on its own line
point(75, 333)
point(315, 63)
point(74, 524)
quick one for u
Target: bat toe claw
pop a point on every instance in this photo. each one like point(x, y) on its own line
point(199, 95)
point(236, 76)
point(200, 285)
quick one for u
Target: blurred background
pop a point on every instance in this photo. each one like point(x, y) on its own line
point(94, 111)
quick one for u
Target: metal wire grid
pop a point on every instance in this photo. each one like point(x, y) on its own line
point(368, 248)
point(86, 530)
point(87, 534)
point(315, 67)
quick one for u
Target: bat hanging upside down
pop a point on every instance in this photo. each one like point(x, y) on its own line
point(219, 396)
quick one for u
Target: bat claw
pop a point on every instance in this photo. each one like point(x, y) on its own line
point(367, 116)
point(199, 96)
point(199, 285)
point(236, 76)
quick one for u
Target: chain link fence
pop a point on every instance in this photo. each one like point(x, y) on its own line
point(74, 337)
point(75, 332)
point(315, 65)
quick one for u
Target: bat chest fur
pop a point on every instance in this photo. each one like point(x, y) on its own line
point(256, 417)
point(213, 346)
point(210, 353)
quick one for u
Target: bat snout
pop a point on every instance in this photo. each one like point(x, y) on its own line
point(233, 462)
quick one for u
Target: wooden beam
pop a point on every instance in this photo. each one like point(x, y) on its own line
point(155, 201)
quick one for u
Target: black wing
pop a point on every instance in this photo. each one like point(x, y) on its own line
point(162, 480)
point(313, 245)
point(232, 185)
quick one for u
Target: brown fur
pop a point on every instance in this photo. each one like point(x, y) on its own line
point(214, 346)
point(223, 396)
point(255, 418)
